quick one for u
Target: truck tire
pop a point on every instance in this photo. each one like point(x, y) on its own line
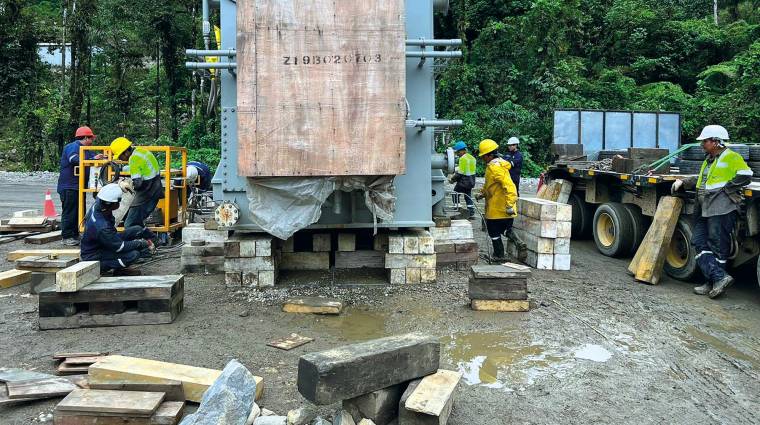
point(755, 167)
point(694, 153)
point(583, 216)
point(689, 167)
point(754, 152)
point(613, 229)
point(741, 149)
point(640, 224)
point(679, 260)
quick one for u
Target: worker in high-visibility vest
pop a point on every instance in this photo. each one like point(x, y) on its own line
point(464, 176)
point(500, 194)
point(145, 180)
point(719, 184)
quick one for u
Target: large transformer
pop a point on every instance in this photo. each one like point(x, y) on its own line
point(328, 95)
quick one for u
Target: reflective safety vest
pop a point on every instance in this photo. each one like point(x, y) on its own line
point(467, 165)
point(143, 165)
point(724, 168)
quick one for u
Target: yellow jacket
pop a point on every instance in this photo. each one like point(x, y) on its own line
point(499, 190)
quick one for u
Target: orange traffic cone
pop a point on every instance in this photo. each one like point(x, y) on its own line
point(49, 206)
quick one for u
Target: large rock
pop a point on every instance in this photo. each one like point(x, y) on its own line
point(229, 400)
point(353, 370)
point(342, 417)
point(270, 420)
point(301, 416)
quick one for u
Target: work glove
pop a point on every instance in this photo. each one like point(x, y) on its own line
point(127, 186)
point(677, 185)
point(479, 196)
point(510, 211)
point(150, 246)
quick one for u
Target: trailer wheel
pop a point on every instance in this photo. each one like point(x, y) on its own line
point(613, 229)
point(639, 223)
point(583, 216)
point(679, 261)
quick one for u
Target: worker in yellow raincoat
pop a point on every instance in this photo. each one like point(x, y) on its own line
point(500, 194)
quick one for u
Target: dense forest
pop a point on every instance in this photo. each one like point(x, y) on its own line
point(522, 59)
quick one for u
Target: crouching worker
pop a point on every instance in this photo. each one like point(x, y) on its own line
point(101, 242)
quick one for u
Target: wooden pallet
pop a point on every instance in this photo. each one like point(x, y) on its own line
point(114, 301)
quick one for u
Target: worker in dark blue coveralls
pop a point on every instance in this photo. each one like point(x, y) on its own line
point(515, 158)
point(199, 175)
point(68, 183)
point(101, 242)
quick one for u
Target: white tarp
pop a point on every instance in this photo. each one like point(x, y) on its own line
point(284, 205)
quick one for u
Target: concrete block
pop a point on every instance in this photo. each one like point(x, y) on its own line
point(380, 406)
point(397, 276)
point(233, 279)
point(398, 261)
point(428, 275)
point(305, 261)
point(321, 242)
point(395, 244)
point(562, 246)
point(346, 242)
point(411, 244)
point(353, 370)
point(412, 275)
point(359, 259)
point(562, 262)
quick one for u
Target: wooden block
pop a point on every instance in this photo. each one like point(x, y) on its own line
point(466, 246)
point(398, 261)
point(288, 245)
point(26, 213)
point(247, 247)
point(562, 246)
point(426, 243)
point(445, 247)
point(544, 229)
point(195, 380)
point(44, 263)
point(413, 275)
point(168, 413)
point(540, 261)
point(267, 278)
point(505, 271)
point(397, 276)
point(21, 375)
point(128, 318)
point(346, 242)
point(61, 253)
point(290, 342)
point(428, 275)
point(535, 243)
point(131, 403)
point(321, 242)
point(172, 389)
point(305, 261)
point(232, 248)
point(380, 243)
point(82, 360)
point(21, 231)
point(206, 250)
point(379, 406)
point(251, 264)
point(353, 370)
point(10, 278)
point(196, 231)
point(455, 232)
point(564, 229)
point(359, 259)
point(28, 221)
point(40, 388)
point(76, 277)
point(456, 257)
point(233, 279)
point(442, 221)
point(64, 356)
point(539, 209)
point(500, 305)
point(44, 238)
point(411, 244)
point(434, 394)
point(650, 262)
point(211, 225)
point(126, 288)
point(396, 244)
point(313, 305)
point(498, 289)
point(561, 262)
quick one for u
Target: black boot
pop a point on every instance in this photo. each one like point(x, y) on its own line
point(498, 250)
point(720, 286)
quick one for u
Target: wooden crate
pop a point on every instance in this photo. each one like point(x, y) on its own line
point(319, 82)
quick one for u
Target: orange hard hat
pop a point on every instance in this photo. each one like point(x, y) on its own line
point(84, 132)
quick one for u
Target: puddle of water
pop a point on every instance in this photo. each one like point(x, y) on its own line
point(356, 325)
point(595, 353)
point(720, 345)
point(500, 359)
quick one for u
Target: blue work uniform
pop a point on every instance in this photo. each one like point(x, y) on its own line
point(516, 160)
point(101, 242)
point(204, 174)
point(68, 188)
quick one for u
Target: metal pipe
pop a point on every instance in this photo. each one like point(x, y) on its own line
point(434, 42)
point(422, 123)
point(439, 162)
point(198, 53)
point(207, 65)
point(206, 24)
point(435, 54)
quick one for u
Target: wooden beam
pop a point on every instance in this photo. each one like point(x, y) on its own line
point(21, 253)
point(14, 277)
point(44, 238)
point(500, 305)
point(28, 221)
point(313, 305)
point(76, 277)
point(650, 257)
point(128, 403)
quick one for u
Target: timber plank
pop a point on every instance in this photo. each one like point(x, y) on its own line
point(64, 356)
point(28, 221)
point(359, 259)
point(484, 289)
point(40, 388)
point(313, 305)
point(172, 389)
point(86, 360)
point(84, 320)
point(45, 262)
point(21, 253)
point(4, 400)
point(290, 342)
point(650, 263)
point(168, 413)
point(495, 271)
point(501, 305)
point(44, 238)
point(76, 277)
point(17, 375)
point(433, 393)
point(10, 278)
point(132, 403)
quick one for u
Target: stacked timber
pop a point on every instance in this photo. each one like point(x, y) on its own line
point(199, 256)
point(249, 261)
point(316, 258)
point(381, 381)
point(110, 406)
point(44, 267)
point(76, 363)
point(544, 226)
point(499, 287)
point(455, 245)
point(411, 257)
point(557, 190)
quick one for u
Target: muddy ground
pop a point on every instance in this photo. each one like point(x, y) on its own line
point(595, 348)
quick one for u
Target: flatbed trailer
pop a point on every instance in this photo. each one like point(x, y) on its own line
point(616, 210)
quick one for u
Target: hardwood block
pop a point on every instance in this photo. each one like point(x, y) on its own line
point(411, 244)
point(26, 213)
point(397, 261)
point(359, 259)
point(434, 395)
point(250, 279)
point(313, 305)
point(267, 278)
point(233, 279)
point(40, 388)
point(130, 403)
point(540, 209)
point(107, 307)
point(564, 229)
point(487, 271)
point(21, 253)
point(232, 248)
point(648, 262)
point(353, 370)
point(501, 305)
point(536, 243)
point(455, 257)
point(396, 244)
point(321, 242)
point(442, 221)
point(380, 243)
point(346, 242)
point(44, 238)
point(10, 278)
point(247, 247)
point(288, 245)
point(544, 229)
point(168, 413)
point(428, 275)
point(412, 275)
point(379, 406)
point(466, 246)
point(172, 389)
point(44, 263)
point(426, 243)
point(250, 264)
point(197, 231)
point(561, 262)
point(195, 380)
point(397, 276)
point(263, 247)
point(455, 232)
point(305, 261)
point(76, 277)
point(540, 261)
point(445, 247)
point(207, 250)
point(495, 289)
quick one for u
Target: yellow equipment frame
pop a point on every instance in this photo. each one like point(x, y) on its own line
point(167, 172)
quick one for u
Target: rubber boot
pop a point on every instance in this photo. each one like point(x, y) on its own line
point(498, 249)
point(704, 289)
point(720, 286)
point(522, 249)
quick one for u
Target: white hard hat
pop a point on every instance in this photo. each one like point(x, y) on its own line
point(192, 174)
point(713, 132)
point(513, 141)
point(110, 193)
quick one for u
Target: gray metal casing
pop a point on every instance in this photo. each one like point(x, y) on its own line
point(417, 191)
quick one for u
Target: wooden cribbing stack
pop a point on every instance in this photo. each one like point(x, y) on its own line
point(499, 287)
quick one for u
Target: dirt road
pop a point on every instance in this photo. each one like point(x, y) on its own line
point(596, 347)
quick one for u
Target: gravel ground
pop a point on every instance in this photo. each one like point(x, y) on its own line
point(595, 348)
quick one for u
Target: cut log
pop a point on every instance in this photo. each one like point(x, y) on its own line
point(650, 257)
point(353, 370)
point(44, 238)
point(76, 277)
point(10, 278)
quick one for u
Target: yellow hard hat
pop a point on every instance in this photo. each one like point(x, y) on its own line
point(487, 146)
point(119, 145)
